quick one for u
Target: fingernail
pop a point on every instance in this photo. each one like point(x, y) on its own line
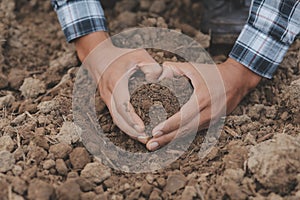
point(138, 128)
point(153, 146)
point(143, 139)
point(158, 134)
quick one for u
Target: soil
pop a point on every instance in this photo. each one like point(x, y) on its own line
point(43, 157)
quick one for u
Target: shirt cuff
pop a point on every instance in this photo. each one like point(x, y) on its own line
point(79, 17)
point(259, 52)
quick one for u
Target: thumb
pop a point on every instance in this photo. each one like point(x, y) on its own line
point(152, 71)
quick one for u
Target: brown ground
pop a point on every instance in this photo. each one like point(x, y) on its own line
point(41, 156)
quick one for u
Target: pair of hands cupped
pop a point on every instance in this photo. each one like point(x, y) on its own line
point(217, 91)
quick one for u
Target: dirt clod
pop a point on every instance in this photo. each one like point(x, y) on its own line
point(31, 88)
point(95, 172)
point(39, 189)
point(60, 150)
point(275, 163)
point(7, 161)
point(79, 158)
point(175, 182)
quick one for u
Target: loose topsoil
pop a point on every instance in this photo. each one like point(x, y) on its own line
point(42, 156)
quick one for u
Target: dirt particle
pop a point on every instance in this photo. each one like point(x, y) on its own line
point(48, 106)
point(16, 78)
point(17, 170)
point(127, 19)
point(61, 167)
point(85, 185)
point(3, 81)
point(37, 154)
point(60, 150)
point(6, 101)
point(189, 193)
point(158, 6)
point(146, 189)
point(7, 161)
point(69, 190)
point(32, 88)
point(19, 186)
point(39, 189)
point(175, 182)
point(275, 163)
point(95, 172)
point(48, 164)
point(88, 196)
point(6, 143)
point(69, 133)
point(79, 157)
point(155, 195)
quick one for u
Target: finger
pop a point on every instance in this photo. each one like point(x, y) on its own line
point(187, 113)
point(148, 65)
point(163, 140)
point(129, 129)
point(121, 99)
point(152, 70)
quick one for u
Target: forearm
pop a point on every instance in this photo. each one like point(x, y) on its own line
point(270, 30)
point(85, 44)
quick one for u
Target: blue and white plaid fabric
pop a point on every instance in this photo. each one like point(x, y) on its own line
point(79, 17)
point(271, 28)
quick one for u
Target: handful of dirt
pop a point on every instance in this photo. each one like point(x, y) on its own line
point(156, 102)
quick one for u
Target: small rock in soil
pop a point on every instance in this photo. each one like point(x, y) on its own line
point(7, 161)
point(69, 190)
point(39, 189)
point(275, 163)
point(32, 88)
point(61, 167)
point(60, 150)
point(69, 133)
point(79, 157)
point(175, 182)
point(6, 101)
point(6, 143)
point(95, 172)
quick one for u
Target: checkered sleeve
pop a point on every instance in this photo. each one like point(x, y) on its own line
point(79, 17)
point(271, 28)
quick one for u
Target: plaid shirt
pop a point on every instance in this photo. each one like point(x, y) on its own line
point(271, 28)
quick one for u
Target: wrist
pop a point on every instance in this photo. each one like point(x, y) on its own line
point(85, 44)
point(247, 78)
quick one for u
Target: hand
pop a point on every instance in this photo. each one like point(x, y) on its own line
point(217, 91)
point(112, 67)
